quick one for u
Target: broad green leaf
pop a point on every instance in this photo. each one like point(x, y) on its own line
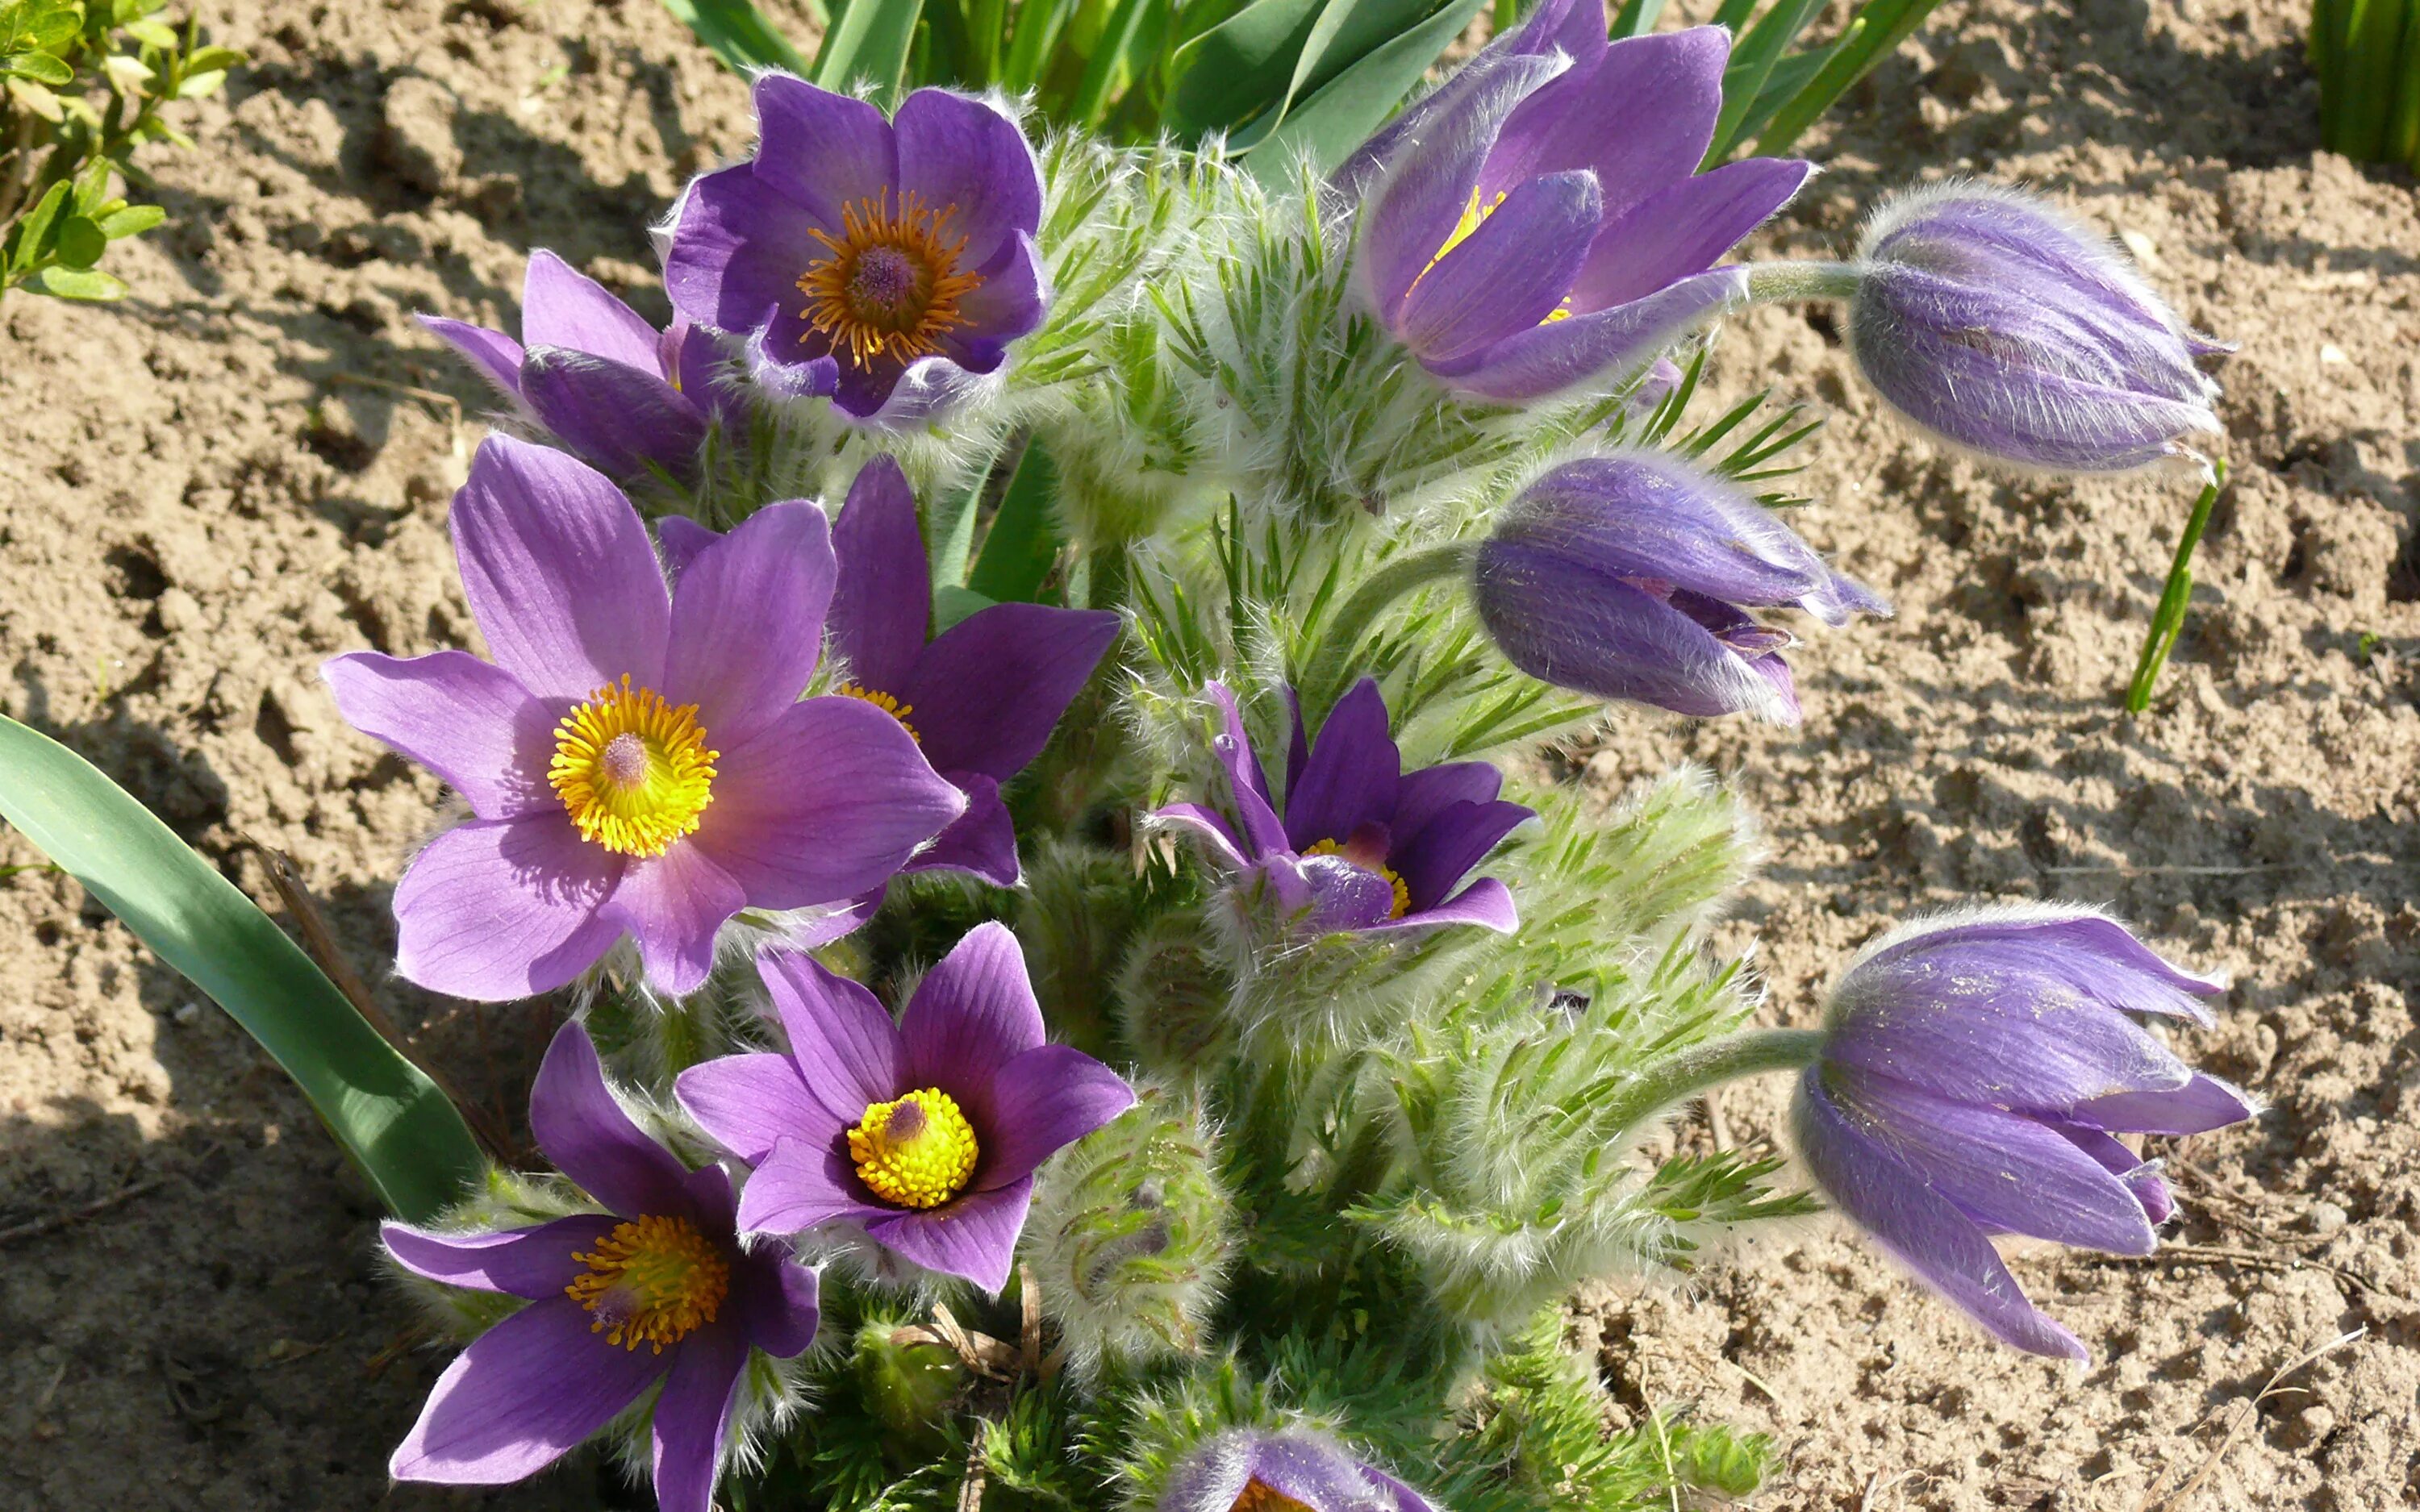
point(152, 33)
point(1342, 113)
point(39, 26)
point(91, 186)
point(1023, 540)
point(194, 86)
point(1090, 101)
point(738, 34)
point(80, 241)
point(870, 43)
point(39, 67)
point(1031, 46)
point(32, 237)
point(204, 59)
point(88, 284)
point(952, 603)
point(409, 1140)
point(131, 221)
point(1243, 63)
point(36, 99)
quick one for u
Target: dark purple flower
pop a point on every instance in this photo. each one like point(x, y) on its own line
point(981, 699)
point(1623, 577)
point(611, 387)
point(656, 1287)
point(888, 264)
point(1974, 1072)
point(925, 1133)
point(1538, 221)
point(1252, 1470)
point(2002, 325)
point(637, 761)
point(1363, 844)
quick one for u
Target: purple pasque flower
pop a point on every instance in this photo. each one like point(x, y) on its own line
point(1360, 844)
point(981, 699)
point(1974, 1069)
point(1295, 1469)
point(624, 397)
point(888, 264)
point(924, 1134)
point(637, 761)
point(2004, 327)
point(1539, 222)
point(1624, 576)
point(656, 1287)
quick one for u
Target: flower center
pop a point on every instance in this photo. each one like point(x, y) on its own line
point(918, 1151)
point(890, 286)
point(632, 771)
point(1260, 1496)
point(1375, 864)
point(653, 1281)
point(887, 703)
point(1474, 215)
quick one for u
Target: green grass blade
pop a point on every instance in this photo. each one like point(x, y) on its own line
point(408, 1139)
point(1752, 65)
point(2170, 617)
point(870, 41)
point(2403, 117)
point(1091, 99)
point(1636, 17)
point(1341, 116)
point(1023, 540)
point(738, 34)
point(1239, 64)
point(1031, 44)
point(1877, 28)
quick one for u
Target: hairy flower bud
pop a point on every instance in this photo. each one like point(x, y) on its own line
point(1250, 1470)
point(2002, 325)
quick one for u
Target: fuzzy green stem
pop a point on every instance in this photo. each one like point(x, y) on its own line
point(1786, 282)
point(1703, 1067)
point(1377, 592)
point(2169, 618)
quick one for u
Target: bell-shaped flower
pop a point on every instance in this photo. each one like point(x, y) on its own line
point(924, 1134)
point(1359, 845)
point(1539, 222)
point(981, 699)
point(1629, 576)
point(886, 263)
point(656, 1287)
point(1975, 1071)
point(2001, 326)
point(1293, 1470)
point(626, 397)
point(637, 761)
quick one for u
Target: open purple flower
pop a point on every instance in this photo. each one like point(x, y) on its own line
point(888, 264)
point(611, 387)
point(656, 1287)
point(1974, 1069)
point(637, 761)
point(1252, 1469)
point(981, 699)
point(925, 1133)
point(1623, 577)
point(1361, 844)
point(1538, 221)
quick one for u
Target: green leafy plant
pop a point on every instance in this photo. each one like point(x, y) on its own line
point(2367, 53)
point(81, 86)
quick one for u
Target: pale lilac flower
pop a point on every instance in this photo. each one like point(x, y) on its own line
point(925, 1134)
point(981, 699)
point(657, 1288)
point(1628, 577)
point(888, 264)
point(637, 761)
point(1359, 843)
point(1539, 222)
point(623, 395)
point(1974, 1070)
point(1254, 1470)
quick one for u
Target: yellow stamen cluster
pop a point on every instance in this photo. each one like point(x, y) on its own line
point(917, 1151)
point(1474, 216)
point(887, 703)
point(1403, 894)
point(1260, 1496)
point(633, 772)
point(891, 284)
point(652, 1281)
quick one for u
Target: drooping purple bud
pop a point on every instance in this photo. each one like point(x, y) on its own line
point(1975, 1072)
point(1254, 1470)
point(1628, 577)
point(2004, 327)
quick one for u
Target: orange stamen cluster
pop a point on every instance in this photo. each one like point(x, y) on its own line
point(891, 284)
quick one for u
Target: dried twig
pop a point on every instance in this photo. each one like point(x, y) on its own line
point(33, 1229)
point(2256, 1260)
point(2237, 1417)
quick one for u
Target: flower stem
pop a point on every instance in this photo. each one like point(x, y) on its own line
point(1785, 283)
point(1702, 1067)
point(2170, 616)
point(1381, 589)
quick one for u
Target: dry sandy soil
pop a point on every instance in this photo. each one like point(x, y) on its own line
point(206, 489)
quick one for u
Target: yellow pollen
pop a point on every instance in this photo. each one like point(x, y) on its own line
point(632, 771)
point(651, 1282)
point(1260, 1496)
point(886, 702)
point(1402, 903)
point(918, 1150)
point(1474, 216)
point(891, 284)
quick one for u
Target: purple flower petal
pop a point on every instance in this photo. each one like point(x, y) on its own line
point(782, 1301)
point(2141, 1177)
point(738, 253)
point(698, 367)
point(826, 804)
point(746, 1104)
point(847, 1051)
point(988, 693)
point(1008, 304)
point(1640, 118)
point(885, 395)
point(971, 165)
point(1423, 795)
point(2075, 948)
point(1245, 782)
point(2199, 1106)
point(495, 910)
point(1209, 825)
point(1604, 346)
point(1313, 1473)
point(1439, 856)
point(558, 571)
point(1982, 1036)
point(1343, 896)
point(972, 1014)
point(694, 1416)
point(1485, 903)
point(1352, 776)
point(468, 721)
point(682, 540)
point(526, 1393)
point(563, 307)
point(789, 358)
point(674, 904)
point(1042, 1102)
point(800, 1185)
point(619, 419)
point(1506, 277)
point(1925, 1231)
point(981, 841)
point(973, 1236)
point(820, 150)
point(884, 601)
point(582, 1129)
point(748, 622)
point(520, 1262)
point(1683, 228)
point(497, 356)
